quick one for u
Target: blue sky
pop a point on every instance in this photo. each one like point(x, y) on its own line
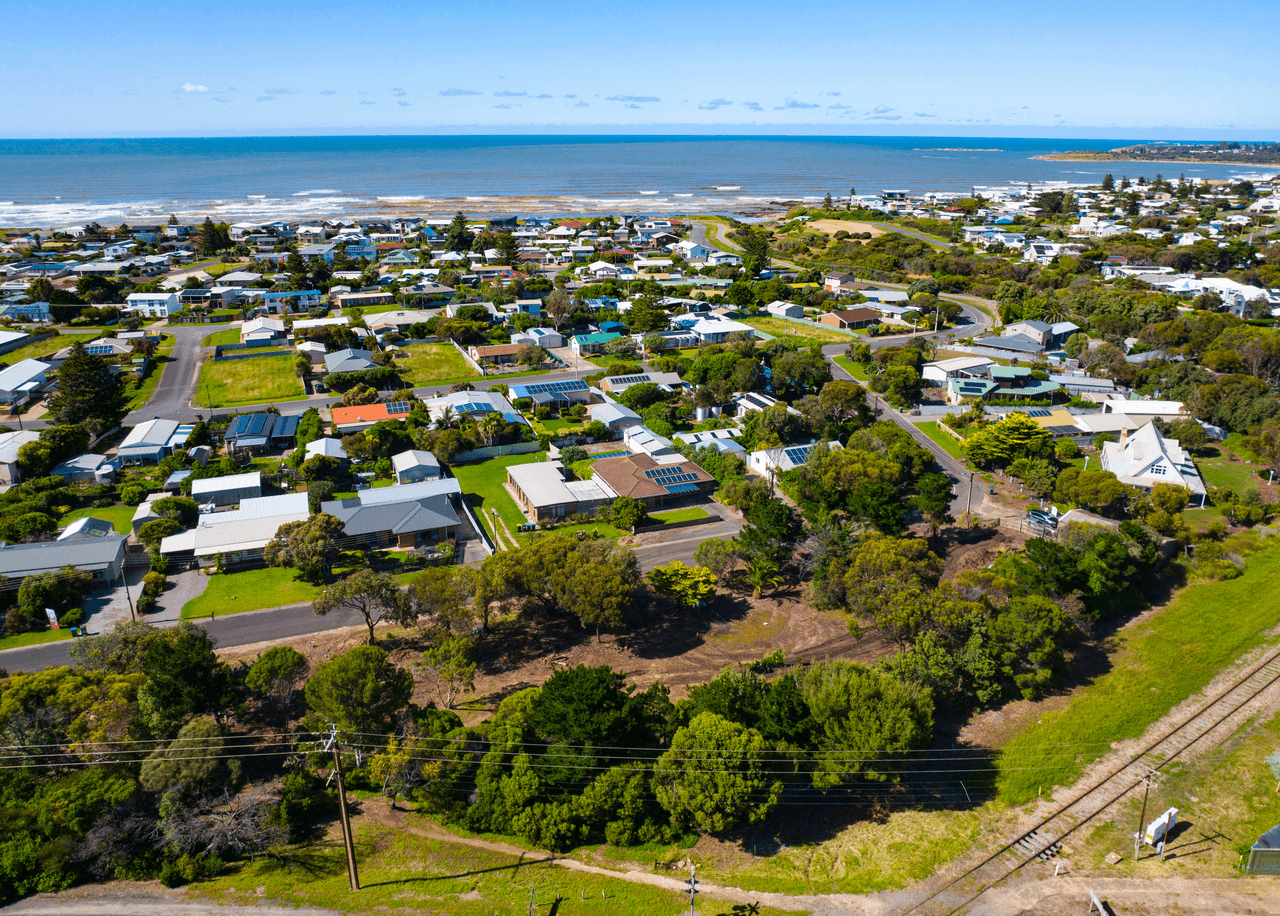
point(917, 66)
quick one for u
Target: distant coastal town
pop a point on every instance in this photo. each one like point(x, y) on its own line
point(1244, 154)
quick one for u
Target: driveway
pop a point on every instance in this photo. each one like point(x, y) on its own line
point(183, 587)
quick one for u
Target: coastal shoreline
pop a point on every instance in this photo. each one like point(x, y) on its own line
point(1110, 157)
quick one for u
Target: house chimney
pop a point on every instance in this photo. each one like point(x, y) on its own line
point(1124, 434)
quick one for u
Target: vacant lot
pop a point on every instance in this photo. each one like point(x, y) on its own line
point(802, 332)
point(248, 381)
point(249, 590)
point(432, 364)
point(221, 338)
point(833, 226)
point(120, 517)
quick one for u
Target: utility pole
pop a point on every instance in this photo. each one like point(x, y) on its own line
point(352, 874)
point(125, 582)
point(1148, 779)
point(693, 886)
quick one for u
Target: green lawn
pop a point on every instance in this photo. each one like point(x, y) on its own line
point(32, 639)
point(221, 338)
point(482, 483)
point(120, 517)
point(217, 270)
point(949, 443)
point(679, 515)
point(1219, 471)
point(44, 347)
point(1158, 664)
point(797, 331)
point(141, 390)
point(249, 590)
point(857, 370)
point(248, 381)
point(433, 364)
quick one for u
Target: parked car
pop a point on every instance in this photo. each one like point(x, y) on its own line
point(1040, 517)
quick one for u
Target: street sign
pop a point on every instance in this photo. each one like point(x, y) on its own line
point(53, 617)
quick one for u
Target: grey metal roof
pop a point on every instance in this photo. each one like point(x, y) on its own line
point(89, 554)
point(228, 482)
point(425, 514)
point(17, 375)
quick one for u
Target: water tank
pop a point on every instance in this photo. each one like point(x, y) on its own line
point(701, 413)
point(717, 410)
point(105, 474)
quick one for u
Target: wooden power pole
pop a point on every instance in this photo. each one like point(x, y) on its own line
point(347, 839)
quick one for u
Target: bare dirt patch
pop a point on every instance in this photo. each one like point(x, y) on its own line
point(832, 226)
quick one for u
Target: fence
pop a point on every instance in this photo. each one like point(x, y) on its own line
point(495, 451)
point(225, 352)
point(467, 356)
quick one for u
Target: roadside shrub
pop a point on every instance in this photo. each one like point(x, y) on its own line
point(146, 604)
point(153, 584)
point(73, 618)
point(133, 494)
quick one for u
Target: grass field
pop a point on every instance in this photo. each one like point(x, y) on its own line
point(1157, 665)
point(221, 338)
point(218, 269)
point(140, 391)
point(120, 517)
point(432, 364)
point(1218, 470)
point(801, 332)
point(44, 347)
point(404, 872)
point(249, 590)
point(857, 370)
point(248, 381)
point(32, 639)
point(482, 483)
point(950, 444)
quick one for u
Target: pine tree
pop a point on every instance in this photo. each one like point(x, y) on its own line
point(208, 238)
point(87, 392)
point(458, 238)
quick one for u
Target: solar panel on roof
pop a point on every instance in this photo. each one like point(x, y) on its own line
point(663, 471)
point(628, 380)
point(1038, 413)
point(798, 455)
point(551, 387)
point(682, 488)
point(398, 407)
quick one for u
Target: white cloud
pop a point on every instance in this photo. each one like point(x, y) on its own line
point(367, 102)
point(583, 104)
point(405, 104)
point(266, 98)
point(545, 95)
point(453, 90)
point(882, 109)
point(632, 98)
point(754, 106)
point(328, 92)
point(509, 94)
point(193, 87)
point(830, 93)
point(398, 91)
point(714, 104)
point(279, 91)
point(921, 114)
point(572, 95)
point(838, 107)
point(792, 103)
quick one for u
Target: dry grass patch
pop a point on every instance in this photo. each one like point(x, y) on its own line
point(832, 226)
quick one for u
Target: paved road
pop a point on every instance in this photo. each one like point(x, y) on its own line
point(244, 629)
point(172, 397)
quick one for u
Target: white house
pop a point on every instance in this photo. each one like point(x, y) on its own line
point(780, 309)
point(153, 305)
point(712, 328)
point(724, 259)
point(690, 250)
point(1147, 458)
point(785, 458)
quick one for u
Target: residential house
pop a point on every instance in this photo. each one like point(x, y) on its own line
point(262, 331)
point(546, 338)
point(101, 557)
point(22, 381)
point(1147, 458)
point(542, 491)
point(473, 403)
point(10, 443)
point(690, 250)
point(721, 439)
point(400, 320)
point(724, 259)
point(850, 319)
point(348, 360)
point(228, 490)
point(415, 465)
point(495, 354)
point(348, 420)
point(363, 300)
point(713, 329)
point(1038, 331)
point(292, 300)
point(1015, 345)
point(936, 374)
point(325, 251)
point(667, 381)
point(326, 446)
point(153, 305)
point(313, 351)
point(780, 309)
point(407, 515)
point(586, 344)
point(615, 417)
point(651, 481)
point(153, 440)
point(81, 468)
point(238, 537)
point(771, 461)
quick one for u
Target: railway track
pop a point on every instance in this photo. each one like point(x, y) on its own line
point(1213, 722)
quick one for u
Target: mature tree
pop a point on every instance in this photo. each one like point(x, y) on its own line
point(88, 393)
point(311, 546)
point(457, 238)
point(762, 573)
point(197, 764)
point(276, 674)
point(1027, 637)
point(687, 585)
point(885, 575)
point(449, 667)
point(374, 596)
point(558, 307)
point(719, 555)
point(1016, 436)
point(156, 530)
point(360, 691)
point(713, 778)
point(442, 597)
point(182, 509)
point(184, 677)
point(755, 250)
point(600, 594)
point(771, 530)
point(628, 513)
point(863, 715)
point(878, 504)
point(508, 248)
point(594, 706)
point(933, 499)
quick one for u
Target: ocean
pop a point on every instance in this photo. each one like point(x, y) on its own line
point(45, 183)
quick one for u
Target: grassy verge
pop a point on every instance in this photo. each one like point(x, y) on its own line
point(33, 639)
point(249, 590)
point(248, 381)
point(1156, 666)
point(1218, 470)
point(432, 364)
point(44, 347)
point(946, 442)
point(221, 338)
point(857, 370)
point(401, 872)
point(141, 390)
point(120, 517)
point(217, 270)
